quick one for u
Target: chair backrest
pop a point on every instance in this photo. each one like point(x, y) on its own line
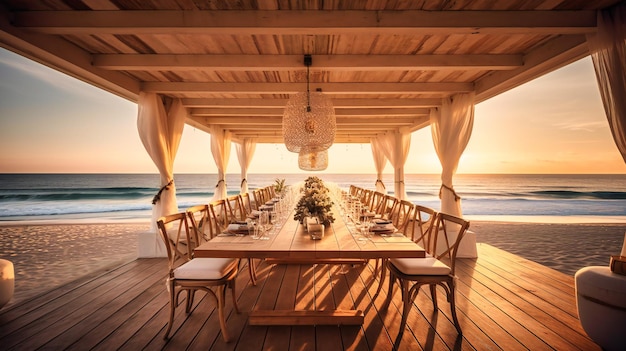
point(365, 197)
point(246, 203)
point(234, 206)
point(448, 233)
point(199, 219)
point(219, 215)
point(387, 206)
point(258, 198)
point(358, 193)
point(402, 216)
point(177, 238)
point(377, 202)
point(425, 219)
point(352, 190)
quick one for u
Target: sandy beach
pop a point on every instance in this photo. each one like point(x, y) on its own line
point(48, 255)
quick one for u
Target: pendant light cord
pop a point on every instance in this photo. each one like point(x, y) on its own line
point(308, 61)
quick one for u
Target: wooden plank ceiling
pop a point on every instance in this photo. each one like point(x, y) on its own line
point(384, 63)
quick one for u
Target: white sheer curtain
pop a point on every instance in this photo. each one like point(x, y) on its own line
point(451, 129)
point(380, 161)
point(220, 148)
point(396, 147)
point(160, 133)
point(245, 152)
point(608, 48)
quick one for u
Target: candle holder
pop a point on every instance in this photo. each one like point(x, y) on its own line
point(316, 231)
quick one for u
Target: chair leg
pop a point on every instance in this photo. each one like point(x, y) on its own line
point(170, 284)
point(221, 296)
point(433, 295)
point(406, 308)
point(252, 270)
point(392, 279)
point(190, 296)
point(383, 273)
point(233, 292)
point(452, 300)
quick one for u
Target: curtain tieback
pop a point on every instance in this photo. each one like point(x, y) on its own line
point(218, 183)
point(242, 181)
point(381, 183)
point(456, 196)
point(157, 197)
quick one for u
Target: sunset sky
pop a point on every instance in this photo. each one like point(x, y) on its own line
point(52, 123)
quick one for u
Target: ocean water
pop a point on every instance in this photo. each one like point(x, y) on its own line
point(89, 197)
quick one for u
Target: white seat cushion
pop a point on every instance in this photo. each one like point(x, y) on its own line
point(421, 266)
point(205, 268)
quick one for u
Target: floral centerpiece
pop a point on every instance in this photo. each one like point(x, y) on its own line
point(315, 202)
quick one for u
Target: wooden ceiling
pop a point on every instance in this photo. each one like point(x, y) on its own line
point(384, 63)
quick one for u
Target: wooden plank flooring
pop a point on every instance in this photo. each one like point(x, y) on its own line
point(504, 302)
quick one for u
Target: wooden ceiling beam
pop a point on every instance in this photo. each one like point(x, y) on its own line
point(276, 122)
point(338, 103)
point(307, 22)
point(279, 112)
point(264, 139)
point(293, 88)
point(163, 62)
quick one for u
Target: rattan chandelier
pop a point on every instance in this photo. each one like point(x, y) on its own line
point(310, 159)
point(309, 119)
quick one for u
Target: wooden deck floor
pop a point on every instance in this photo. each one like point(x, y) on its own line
point(504, 302)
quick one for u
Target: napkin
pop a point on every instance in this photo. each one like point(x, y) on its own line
point(237, 228)
point(381, 225)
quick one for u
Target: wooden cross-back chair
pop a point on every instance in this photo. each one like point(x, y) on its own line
point(201, 223)
point(377, 200)
point(259, 198)
point(436, 269)
point(365, 197)
point(190, 274)
point(234, 206)
point(218, 210)
point(352, 190)
point(386, 206)
point(425, 218)
point(401, 216)
point(246, 203)
point(403, 219)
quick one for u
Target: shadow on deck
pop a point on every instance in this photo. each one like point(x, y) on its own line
point(504, 302)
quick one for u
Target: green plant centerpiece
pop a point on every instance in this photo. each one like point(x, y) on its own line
point(315, 202)
point(279, 186)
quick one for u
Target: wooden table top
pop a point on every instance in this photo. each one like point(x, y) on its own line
point(292, 241)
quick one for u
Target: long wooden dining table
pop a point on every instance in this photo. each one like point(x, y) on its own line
point(292, 243)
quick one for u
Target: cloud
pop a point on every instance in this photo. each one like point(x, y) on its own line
point(585, 126)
